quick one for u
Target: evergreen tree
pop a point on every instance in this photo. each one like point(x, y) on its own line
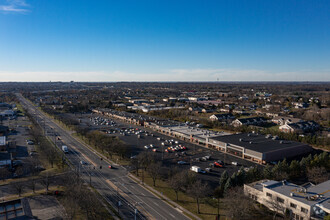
point(228, 185)
point(267, 172)
point(309, 160)
point(283, 166)
point(223, 179)
point(234, 179)
point(241, 176)
point(294, 169)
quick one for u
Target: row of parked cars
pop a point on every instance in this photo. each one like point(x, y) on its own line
point(103, 121)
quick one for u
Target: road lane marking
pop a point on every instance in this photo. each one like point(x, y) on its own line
point(57, 127)
point(123, 194)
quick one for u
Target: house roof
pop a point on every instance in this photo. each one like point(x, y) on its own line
point(292, 120)
point(303, 125)
point(254, 119)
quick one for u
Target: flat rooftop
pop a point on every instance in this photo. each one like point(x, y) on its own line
point(257, 142)
point(314, 194)
point(197, 132)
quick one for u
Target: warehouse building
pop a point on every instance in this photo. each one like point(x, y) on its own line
point(258, 148)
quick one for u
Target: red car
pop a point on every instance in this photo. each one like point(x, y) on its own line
point(218, 164)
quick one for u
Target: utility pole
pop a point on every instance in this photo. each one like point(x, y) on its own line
point(162, 152)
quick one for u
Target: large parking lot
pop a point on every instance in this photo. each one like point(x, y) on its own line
point(187, 154)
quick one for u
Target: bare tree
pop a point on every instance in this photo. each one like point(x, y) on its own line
point(18, 187)
point(33, 183)
point(4, 173)
point(71, 207)
point(145, 159)
point(51, 156)
point(317, 174)
point(154, 171)
point(218, 193)
point(198, 190)
point(135, 165)
point(46, 181)
point(176, 184)
point(239, 206)
point(19, 171)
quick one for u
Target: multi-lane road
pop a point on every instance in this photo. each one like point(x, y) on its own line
point(113, 184)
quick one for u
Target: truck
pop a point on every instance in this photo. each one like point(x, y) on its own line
point(65, 149)
point(195, 169)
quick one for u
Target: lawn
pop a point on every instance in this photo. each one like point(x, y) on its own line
point(207, 206)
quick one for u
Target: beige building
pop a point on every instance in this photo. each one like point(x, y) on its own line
point(300, 202)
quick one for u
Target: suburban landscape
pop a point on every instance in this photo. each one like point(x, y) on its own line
point(150, 150)
point(164, 110)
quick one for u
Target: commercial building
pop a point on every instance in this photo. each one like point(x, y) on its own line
point(186, 133)
point(258, 148)
point(255, 147)
point(299, 202)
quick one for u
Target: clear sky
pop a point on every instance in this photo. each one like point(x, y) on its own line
point(165, 40)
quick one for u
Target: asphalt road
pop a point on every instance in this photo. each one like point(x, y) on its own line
point(113, 184)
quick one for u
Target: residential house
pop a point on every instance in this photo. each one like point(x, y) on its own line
point(239, 111)
point(300, 105)
point(249, 121)
point(282, 120)
point(300, 127)
point(196, 110)
point(221, 117)
point(204, 110)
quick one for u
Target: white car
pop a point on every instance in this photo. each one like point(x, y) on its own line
point(151, 145)
point(146, 147)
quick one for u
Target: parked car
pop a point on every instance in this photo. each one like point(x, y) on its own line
point(30, 142)
point(182, 162)
point(219, 163)
point(83, 162)
point(208, 169)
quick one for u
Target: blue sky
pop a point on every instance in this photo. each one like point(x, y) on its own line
point(205, 40)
